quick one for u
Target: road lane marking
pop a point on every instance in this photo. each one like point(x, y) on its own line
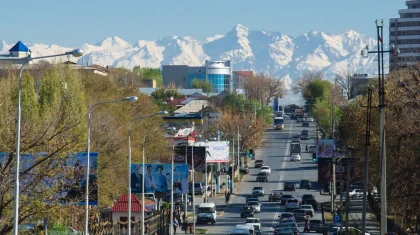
point(286, 156)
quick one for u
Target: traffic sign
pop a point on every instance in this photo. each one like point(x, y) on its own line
point(337, 219)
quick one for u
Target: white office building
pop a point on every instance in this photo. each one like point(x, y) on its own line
point(404, 32)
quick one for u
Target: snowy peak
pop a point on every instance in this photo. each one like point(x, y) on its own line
point(113, 43)
point(258, 50)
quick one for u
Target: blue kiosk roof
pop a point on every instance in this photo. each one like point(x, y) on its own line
point(19, 46)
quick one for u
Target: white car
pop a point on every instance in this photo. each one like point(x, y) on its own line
point(259, 191)
point(309, 119)
point(295, 157)
point(353, 194)
point(254, 222)
point(309, 210)
point(255, 205)
point(265, 169)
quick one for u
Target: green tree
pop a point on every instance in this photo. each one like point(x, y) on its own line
point(202, 84)
point(149, 73)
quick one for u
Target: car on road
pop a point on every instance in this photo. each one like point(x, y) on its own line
point(206, 213)
point(285, 198)
point(247, 211)
point(305, 124)
point(299, 214)
point(289, 186)
point(262, 177)
point(258, 191)
point(316, 225)
point(255, 205)
point(304, 136)
point(305, 184)
point(266, 169)
point(275, 195)
point(309, 210)
point(310, 201)
point(296, 139)
point(251, 198)
point(292, 205)
point(244, 170)
point(356, 185)
point(286, 216)
point(295, 157)
point(249, 227)
point(255, 222)
point(286, 231)
point(258, 163)
point(309, 119)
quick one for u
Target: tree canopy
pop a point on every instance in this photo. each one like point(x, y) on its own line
point(202, 84)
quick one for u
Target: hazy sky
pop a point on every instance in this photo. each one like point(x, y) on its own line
point(71, 23)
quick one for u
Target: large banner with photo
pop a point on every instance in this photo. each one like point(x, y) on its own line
point(193, 154)
point(158, 178)
point(325, 148)
point(70, 181)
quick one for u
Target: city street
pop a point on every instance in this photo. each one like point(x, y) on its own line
point(275, 153)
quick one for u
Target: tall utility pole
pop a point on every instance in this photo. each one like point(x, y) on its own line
point(381, 92)
point(232, 180)
point(365, 177)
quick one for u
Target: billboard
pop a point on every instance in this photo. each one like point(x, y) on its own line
point(192, 153)
point(325, 148)
point(216, 151)
point(70, 181)
point(158, 178)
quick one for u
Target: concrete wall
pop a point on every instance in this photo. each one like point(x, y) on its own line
point(175, 73)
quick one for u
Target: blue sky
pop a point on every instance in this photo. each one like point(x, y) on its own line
point(71, 23)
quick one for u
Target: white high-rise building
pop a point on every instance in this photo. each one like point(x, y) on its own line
point(404, 33)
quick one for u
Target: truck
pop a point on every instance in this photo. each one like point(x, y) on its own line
point(295, 148)
point(300, 115)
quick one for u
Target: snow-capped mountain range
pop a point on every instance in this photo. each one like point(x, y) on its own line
point(279, 54)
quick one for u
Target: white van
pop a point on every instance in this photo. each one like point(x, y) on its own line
point(238, 231)
point(251, 229)
point(206, 213)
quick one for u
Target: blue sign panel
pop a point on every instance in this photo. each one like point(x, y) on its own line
point(337, 219)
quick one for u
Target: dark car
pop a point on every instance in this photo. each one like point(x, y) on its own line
point(262, 177)
point(285, 198)
point(305, 184)
point(310, 201)
point(244, 170)
point(247, 211)
point(305, 124)
point(304, 136)
point(198, 188)
point(258, 163)
point(275, 195)
point(287, 231)
point(316, 225)
point(304, 132)
point(289, 186)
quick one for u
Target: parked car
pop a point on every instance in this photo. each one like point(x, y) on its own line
point(244, 170)
point(262, 176)
point(305, 184)
point(199, 188)
point(275, 195)
point(289, 186)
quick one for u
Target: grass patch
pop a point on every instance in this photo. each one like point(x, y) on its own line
point(329, 217)
point(201, 231)
point(239, 179)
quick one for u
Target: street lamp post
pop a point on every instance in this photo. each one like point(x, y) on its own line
point(129, 169)
point(381, 92)
point(29, 58)
point(130, 98)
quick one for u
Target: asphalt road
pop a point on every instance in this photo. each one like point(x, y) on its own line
point(275, 153)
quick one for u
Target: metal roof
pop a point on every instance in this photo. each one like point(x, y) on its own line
point(19, 46)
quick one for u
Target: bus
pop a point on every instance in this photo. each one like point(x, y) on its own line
point(278, 123)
